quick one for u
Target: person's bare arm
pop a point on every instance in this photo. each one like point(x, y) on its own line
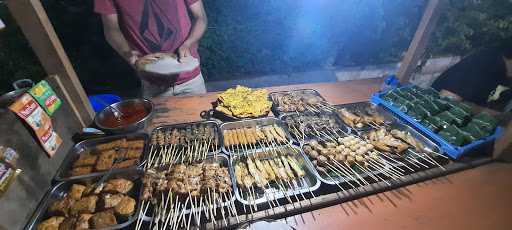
point(198, 28)
point(116, 39)
point(476, 108)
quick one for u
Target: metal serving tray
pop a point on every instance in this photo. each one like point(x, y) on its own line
point(184, 125)
point(429, 145)
point(275, 105)
point(273, 193)
point(60, 190)
point(252, 123)
point(223, 160)
point(81, 147)
point(334, 179)
point(388, 117)
point(340, 123)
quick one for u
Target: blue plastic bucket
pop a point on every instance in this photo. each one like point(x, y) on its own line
point(100, 101)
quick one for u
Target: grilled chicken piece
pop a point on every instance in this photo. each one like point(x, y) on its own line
point(76, 191)
point(125, 207)
point(51, 223)
point(61, 207)
point(85, 205)
point(408, 138)
point(83, 222)
point(118, 186)
point(103, 219)
point(111, 200)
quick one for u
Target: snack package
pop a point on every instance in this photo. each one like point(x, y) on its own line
point(8, 156)
point(45, 96)
point(7, 175)
point(28, 109)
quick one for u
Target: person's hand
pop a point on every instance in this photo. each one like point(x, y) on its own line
point(184, 51)
point(131, 57)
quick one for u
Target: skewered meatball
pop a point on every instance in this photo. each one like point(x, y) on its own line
point(314, 154)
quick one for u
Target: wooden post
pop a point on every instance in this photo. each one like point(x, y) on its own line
point(420, 40)
point(33, 21)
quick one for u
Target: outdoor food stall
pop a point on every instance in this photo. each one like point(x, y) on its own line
point(261, 154)
point(331, 155)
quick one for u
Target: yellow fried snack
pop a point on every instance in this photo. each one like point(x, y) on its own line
point(243, 102)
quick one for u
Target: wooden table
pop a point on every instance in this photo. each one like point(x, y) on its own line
point(479, 198)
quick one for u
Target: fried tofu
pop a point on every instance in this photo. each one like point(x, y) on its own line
point(105, 160)
point(76, 191)
point(111, 200)
point(85, 159)
point(79, 171)
point(85, 205)
point(61, 207)
point(133, 153)
point(83, 222)
point(125, 207)
point(121, 143)
point(126, 163)
point(103, 219)
point(118, 186)
point(135, 144)
point(68, 224)
point(51, 223)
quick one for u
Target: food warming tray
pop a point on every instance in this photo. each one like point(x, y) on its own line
point(252, 123)
point(81, 147)
point(223, 160)
point(312, 183)
point(388, 117)
point(344, 128)
point(429, 145)
point(275, 104)
point(451, 150)
point(184, 125)
point(60, 190)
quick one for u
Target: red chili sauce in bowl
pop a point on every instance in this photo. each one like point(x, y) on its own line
point(130, 114)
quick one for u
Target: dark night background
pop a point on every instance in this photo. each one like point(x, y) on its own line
point(254, 37)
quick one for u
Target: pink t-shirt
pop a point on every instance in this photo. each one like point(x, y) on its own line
point(153, 25)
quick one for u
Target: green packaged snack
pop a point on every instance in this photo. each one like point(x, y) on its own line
point(45, 96)
point(485, 117)
point(420, 111)
point(430, 126)
point(431, 107)
point(484, 126)
point(472, 130)
point(441, 104)
point(454, 135)
point(408, 96)
point(459, 113)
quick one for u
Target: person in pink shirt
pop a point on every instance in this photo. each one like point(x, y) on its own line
point(135, 28)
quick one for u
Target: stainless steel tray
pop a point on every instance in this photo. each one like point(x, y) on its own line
point(74, 153)
point(61, 189)
point(184, 125)
point(338, 179)
point(275, 104)
point(429, 145)
point(388, 117)
point(273, 193)
point(223, 160)
point(344, 128)
point(252, 123)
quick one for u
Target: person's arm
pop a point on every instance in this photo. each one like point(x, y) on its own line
point(116, 39)
point(476, 108)
point(198, 28)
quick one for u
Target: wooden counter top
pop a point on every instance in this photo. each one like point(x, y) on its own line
point(171, 110)
point(478, 198)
